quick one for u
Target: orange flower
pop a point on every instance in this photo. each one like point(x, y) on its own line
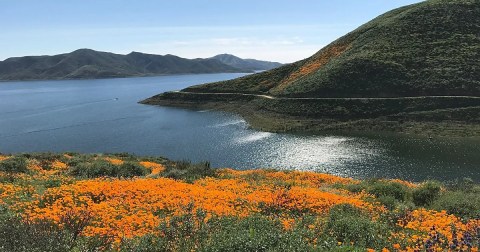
point(128, 208)
point(114, 161)
point(57, 165)
point(154, 167)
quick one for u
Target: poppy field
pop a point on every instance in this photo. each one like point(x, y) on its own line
point(121, 202)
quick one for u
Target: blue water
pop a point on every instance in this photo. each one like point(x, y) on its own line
point(104, 116)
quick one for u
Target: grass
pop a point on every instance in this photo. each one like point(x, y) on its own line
point(122, 202)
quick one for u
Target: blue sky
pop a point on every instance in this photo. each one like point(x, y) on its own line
point(278, 30)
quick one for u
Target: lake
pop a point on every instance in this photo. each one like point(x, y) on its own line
point(91, 116)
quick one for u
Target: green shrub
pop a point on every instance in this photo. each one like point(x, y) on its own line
point(95, 169)
point(14, 165)
point(188, 171)
point(460, 203)
point(79, 159)
point(254, 233)
point(146, 243)
point(16, 235)
point(385, 188)
point(174, 174)
point(190, 232)
point(355, 188)
point(131, 169)
point(102, 168)
point(50, 183)
point(426, 193)
point(179, 233)
point(464, 185)
point(347, 224)
point(388, 201)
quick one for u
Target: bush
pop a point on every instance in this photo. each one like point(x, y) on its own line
point(175, 174)
point(385, 188)
point(254, 233)
point(464, 185)
point(355, 188)
point(130, 169)
point(180, 233)
point(460, 203)
point(190, 232)
point(347, 224)
point(98, 168)
point(102, 168)
point(388, 201)
point(426, 193)
point(16, 235)
point(50, 183)
point(14, 165)
point(188, 171)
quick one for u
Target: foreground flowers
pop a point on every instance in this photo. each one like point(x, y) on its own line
point(128, 208)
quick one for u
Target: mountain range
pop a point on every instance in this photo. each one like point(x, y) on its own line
point(246, 64)
point(417, 63)
point(90, 64)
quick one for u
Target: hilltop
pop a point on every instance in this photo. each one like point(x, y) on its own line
point(90, 64)
point(429, 50)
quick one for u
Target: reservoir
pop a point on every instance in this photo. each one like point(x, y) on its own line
point(92, 116)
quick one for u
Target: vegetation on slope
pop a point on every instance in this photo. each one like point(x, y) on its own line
point(423, 55)
point(430, 48)
point(74, 202)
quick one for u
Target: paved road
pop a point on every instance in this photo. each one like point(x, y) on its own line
point(328, 98)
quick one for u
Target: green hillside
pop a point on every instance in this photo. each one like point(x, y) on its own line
point(431, 48)
point(414, 69)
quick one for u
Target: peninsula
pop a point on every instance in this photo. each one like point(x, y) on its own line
point(413, 69)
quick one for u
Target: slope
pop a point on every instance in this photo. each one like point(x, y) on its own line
point(431, 48)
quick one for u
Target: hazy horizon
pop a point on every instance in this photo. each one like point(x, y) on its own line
point(283, 31)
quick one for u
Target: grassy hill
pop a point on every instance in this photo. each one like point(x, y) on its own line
point(430, 48)
point(86, 63)
point(119, 202)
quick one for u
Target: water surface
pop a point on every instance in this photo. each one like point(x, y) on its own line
point(104, 116)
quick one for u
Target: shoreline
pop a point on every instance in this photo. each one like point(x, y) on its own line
point(117, 77)
point(435, 122)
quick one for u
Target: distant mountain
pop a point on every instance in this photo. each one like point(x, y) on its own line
point(90, 64)
point(248, 64)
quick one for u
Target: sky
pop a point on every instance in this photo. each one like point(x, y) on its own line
point(274, 30)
